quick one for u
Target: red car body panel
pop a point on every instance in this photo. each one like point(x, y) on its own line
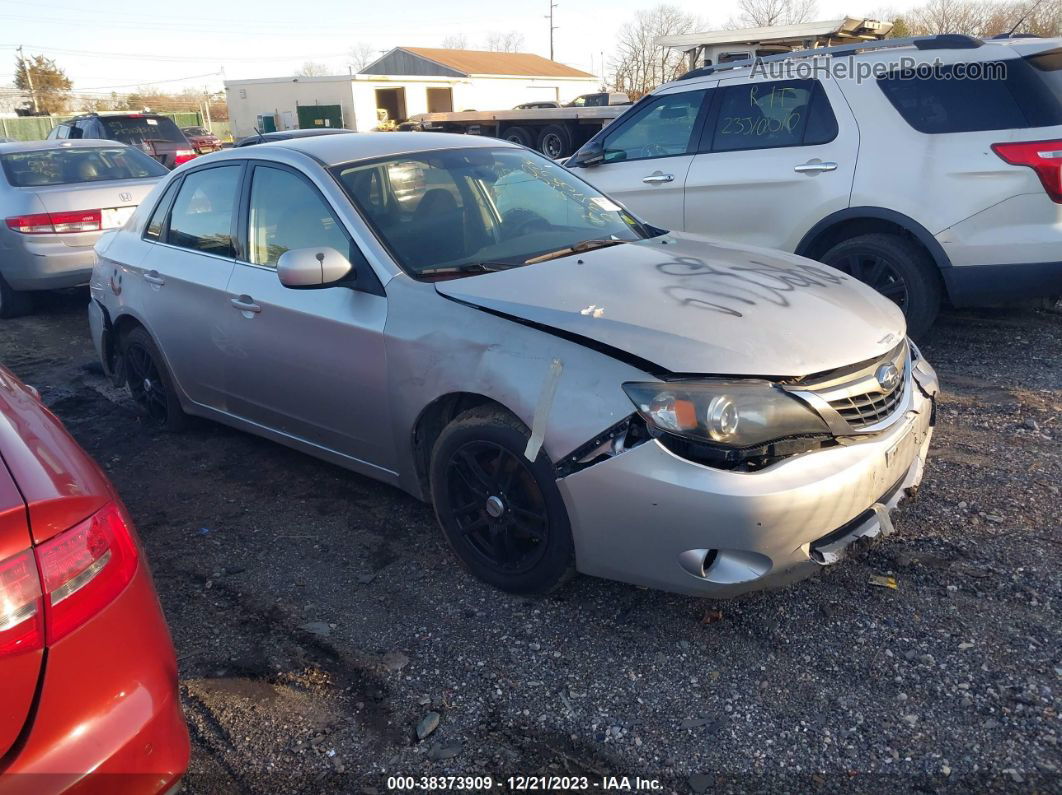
point(97, 710)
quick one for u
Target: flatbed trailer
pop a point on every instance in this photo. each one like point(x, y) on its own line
point(555, 132)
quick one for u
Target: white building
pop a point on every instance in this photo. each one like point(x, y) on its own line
point(404, 82)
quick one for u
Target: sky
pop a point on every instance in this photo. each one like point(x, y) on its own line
point(121, 45)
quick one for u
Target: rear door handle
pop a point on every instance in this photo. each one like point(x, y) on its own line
point(815, 167)
point(658, 178)
point(152, 277)
point(245, 304)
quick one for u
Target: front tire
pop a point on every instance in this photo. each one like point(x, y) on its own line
point(12, 302)
point(502, 515)
point(149, 382)
point(896, 267)
point(518, 135)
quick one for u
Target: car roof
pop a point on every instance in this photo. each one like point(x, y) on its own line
point(335, 149)
point(54, 143)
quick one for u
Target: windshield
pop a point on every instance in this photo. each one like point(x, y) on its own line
point(470, 207)
point(68, 166)
point(136, 130)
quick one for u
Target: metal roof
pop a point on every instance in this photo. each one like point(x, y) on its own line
point(846, 27)
point(480, 62)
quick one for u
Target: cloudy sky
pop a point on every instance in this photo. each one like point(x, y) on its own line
point(122, 44)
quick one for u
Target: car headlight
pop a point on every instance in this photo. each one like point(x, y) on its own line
point(729, 413)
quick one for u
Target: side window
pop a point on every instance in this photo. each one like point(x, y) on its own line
point(822, 124)
point(285, 213)
point(662, 128)
point(762, 115)
point(73, 131)
point(153, 230)
point(61, 131)
point(201, 218)
point(942, 100)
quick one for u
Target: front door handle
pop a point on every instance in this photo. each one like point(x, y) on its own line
point(245, 304)
point(815, 167)
point(152, 277)
point(658, 178)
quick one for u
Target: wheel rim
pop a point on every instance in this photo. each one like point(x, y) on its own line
point(553, 145)
point(877, 272)
point(498, 509)
point(144, 382)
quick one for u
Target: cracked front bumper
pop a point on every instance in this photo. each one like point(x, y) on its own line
point(649, 517)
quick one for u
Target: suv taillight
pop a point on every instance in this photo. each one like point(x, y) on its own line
point(49, 591)
point(57, 223)
point(1043, 157)
point(183, 156)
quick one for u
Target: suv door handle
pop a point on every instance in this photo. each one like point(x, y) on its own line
point(152, 277)
point(815, 167)
point(658, 178)
point(245, 304)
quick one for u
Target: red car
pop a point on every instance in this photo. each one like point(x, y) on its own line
point(88, 676)
point(201, 139)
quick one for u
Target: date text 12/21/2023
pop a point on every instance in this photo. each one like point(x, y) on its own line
point(523, 784)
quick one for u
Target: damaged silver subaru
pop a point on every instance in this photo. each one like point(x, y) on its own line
point(571, 388)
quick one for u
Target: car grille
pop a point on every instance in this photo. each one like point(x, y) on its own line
point(869, 408)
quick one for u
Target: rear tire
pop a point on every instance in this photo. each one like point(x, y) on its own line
point(502, 515)
point(896, 267)
point(149, 382)
point(554, 141)
point(12, 302)
point(518, 135)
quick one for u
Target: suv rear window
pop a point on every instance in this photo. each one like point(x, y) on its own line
point(136, 130)
point(1011, 95)
point(69, 166)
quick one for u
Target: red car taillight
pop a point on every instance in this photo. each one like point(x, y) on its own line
point(81, 570)
point(53, 223)
point(183, 156)
point(1043, 157)
point(21, 610)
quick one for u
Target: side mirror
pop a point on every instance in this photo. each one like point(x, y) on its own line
point(306, 268)
point(592, 153)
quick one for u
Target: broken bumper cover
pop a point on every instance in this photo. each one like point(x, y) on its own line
point(649, 517)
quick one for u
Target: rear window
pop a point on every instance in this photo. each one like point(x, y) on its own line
point(143, 129)
point(69, 166)
point(196, 131)
point(1000, 95)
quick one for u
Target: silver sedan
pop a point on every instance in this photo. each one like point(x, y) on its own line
point(571, 388)
point(56, 199)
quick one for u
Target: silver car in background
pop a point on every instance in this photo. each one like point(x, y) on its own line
point(571, 388)
point(56, 199)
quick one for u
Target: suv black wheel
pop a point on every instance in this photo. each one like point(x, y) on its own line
point(555, 141)
point(149, 382)
point(12, 302)
point(896, 267)
point(502, 514)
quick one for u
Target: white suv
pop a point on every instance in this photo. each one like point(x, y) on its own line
point(929, 168)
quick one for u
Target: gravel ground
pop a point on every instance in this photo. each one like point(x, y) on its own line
point(319, 618)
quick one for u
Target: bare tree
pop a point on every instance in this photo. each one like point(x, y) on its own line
point(986, 18)
point(455, 41)
point(513, 41)
point(639, 65)
point(312, 69)
point(767, 13)
point(361, 55)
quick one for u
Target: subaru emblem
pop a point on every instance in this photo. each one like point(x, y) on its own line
point(125, 196)
point(888, 377)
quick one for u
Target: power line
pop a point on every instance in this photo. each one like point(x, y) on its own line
point(150, 82)
point(213, 57)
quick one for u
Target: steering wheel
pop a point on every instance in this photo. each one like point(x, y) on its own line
point(522, 221)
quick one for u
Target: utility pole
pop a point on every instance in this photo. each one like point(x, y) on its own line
point(552, 27)
point(29, 79)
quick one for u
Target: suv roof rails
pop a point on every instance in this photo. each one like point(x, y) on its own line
point(943, 41)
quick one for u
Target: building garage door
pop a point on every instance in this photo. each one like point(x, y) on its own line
point(312, 116)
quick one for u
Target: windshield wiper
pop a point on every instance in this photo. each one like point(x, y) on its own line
point(585, 245)
point(469, 267)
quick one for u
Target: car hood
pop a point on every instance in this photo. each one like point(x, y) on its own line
point(688, 304)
